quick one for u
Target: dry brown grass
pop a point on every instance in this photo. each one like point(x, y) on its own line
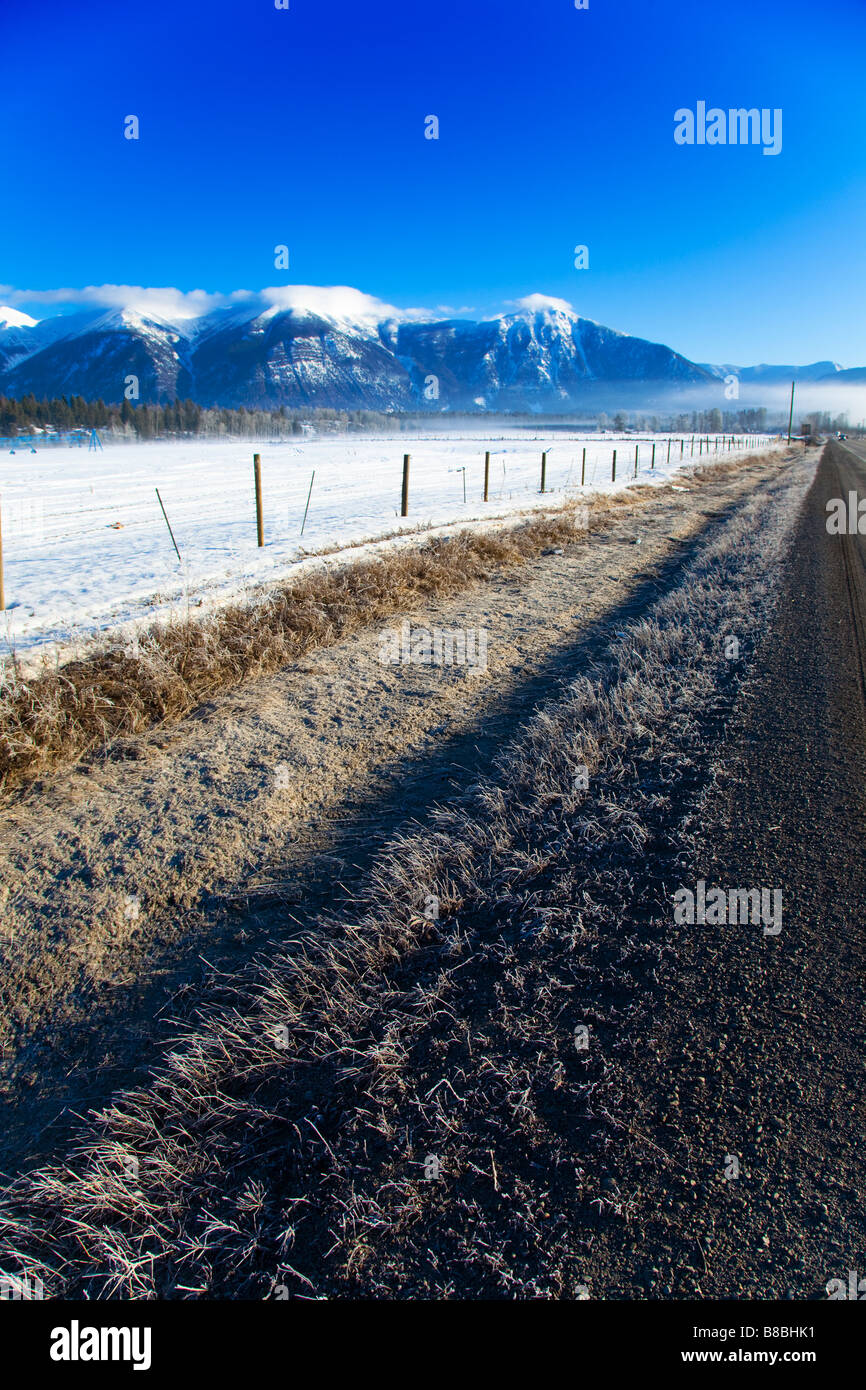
point(174, 666)
point(122, 689)
point(283, 1141)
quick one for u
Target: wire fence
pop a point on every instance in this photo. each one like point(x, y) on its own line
point(356, 485)
point(92, 537)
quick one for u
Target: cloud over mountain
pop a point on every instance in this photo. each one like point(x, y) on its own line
point(336, 346)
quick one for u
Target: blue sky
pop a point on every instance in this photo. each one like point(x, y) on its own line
point(306, 127)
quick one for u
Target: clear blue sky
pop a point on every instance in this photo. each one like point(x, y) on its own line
point(306, 127)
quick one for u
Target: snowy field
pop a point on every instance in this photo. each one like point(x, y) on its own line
point(86, 548)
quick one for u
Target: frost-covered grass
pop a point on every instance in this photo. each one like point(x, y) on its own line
point(128, 684)
point(140, 676)
point(283, 1143)
point(86, 547)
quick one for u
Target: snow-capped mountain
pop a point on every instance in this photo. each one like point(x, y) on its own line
point(92, 355)
point(297, 356)
point(21, 336)
point(13, 318)
point(16, 336)
point(846, 376)
point(334, 346)
point(769, 374)
point(545, 354)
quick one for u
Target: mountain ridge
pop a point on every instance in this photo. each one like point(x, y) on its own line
point(334, 346)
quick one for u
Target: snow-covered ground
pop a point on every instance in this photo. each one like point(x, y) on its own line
point(86, 548)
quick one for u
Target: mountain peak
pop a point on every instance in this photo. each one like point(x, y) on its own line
point(546, 304)
point(335, 346)
point(137, 320)
point(340, 303)
point(13, 318)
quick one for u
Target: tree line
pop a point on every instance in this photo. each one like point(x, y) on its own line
point(25, 415)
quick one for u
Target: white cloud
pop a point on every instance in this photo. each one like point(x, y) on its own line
point(537, 303)
point(166, 303)
point(334, 301)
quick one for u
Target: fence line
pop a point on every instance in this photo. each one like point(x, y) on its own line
point(54, 511)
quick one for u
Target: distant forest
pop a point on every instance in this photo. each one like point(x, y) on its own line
point(183, 419)
point(26, 414)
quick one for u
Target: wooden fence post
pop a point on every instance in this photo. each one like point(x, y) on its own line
point(583, 468)
point(260, 525)
point(404, 504)
point(486, 476)
point(613, 468)
point(543, 469)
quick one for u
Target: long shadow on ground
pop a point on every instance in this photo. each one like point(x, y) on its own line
point(62, 1073)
